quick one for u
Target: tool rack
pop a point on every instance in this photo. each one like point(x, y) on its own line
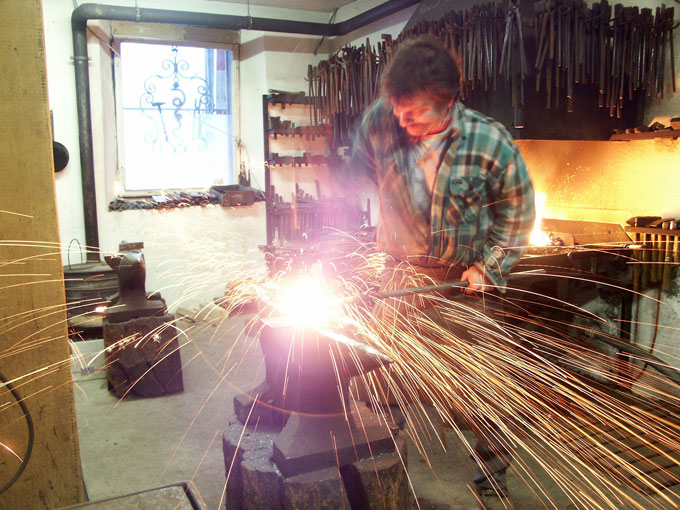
point(657, 252)
point(298, 166)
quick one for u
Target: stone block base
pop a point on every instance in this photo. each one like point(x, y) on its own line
point(142, 357)
point(254, 481)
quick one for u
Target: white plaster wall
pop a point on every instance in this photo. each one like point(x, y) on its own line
point(252, 85)
point(268, 61)
point(391, 25)
point(62, 98)
point(191, 253)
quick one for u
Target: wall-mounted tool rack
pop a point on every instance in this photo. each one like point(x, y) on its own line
point(563, 55)
point(658, 251)
point(300, 206)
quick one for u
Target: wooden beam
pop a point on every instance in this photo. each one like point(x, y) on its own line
point(34, 350)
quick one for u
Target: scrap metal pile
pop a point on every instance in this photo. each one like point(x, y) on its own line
point(618, 49)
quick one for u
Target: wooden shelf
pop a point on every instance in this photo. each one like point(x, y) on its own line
point(282, 132)
point(308, 132)
point(288, 98)
point(656, 231)
point(665, 133)
point(299, 161)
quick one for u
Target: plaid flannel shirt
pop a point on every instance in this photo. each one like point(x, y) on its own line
point(482, 209)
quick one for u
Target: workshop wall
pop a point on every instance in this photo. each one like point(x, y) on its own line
point(268, 61)
point(391, 25)
point(608, 181)
point(654, 110)
point(190, 252)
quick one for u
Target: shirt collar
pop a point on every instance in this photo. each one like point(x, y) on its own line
point(458, 120)
point(453, 125)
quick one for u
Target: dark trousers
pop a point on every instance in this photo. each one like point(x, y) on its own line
point(491, 451)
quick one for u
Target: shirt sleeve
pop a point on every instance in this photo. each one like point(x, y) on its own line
point(512, 202)
point(362, 164)
point(357, 177)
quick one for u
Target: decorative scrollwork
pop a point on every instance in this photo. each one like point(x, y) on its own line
point(165, 93)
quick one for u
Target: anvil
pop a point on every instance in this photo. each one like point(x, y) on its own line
point(306, 391)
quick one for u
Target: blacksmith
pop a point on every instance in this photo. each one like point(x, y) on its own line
point(456, 200)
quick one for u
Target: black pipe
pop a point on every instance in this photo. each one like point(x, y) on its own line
point(85, 12)
point(81, 63)
point(378, 12)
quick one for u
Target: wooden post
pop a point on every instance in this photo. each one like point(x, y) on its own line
point(34, 351)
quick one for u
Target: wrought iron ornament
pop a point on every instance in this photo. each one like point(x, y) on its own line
point(165, 92)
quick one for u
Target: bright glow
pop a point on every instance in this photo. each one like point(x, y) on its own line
point(100, 309)
point(538, 237)
point(305, 301)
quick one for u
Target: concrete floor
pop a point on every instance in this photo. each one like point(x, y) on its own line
point(136, 444)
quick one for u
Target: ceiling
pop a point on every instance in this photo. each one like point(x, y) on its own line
point(305, 5)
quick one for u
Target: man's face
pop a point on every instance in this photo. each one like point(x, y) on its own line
point(420, 114)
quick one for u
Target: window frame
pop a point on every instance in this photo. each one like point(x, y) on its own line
point(149, 37)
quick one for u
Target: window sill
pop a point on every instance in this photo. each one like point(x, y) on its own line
point(178, 200)
point(166, 201)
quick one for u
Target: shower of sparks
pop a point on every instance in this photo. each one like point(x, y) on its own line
point(520, 373)
point(593, 437)
point(303, 302)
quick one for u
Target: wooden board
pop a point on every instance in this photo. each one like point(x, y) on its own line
point(666, 133)
point(34, 351)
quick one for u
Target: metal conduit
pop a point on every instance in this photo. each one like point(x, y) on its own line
point(85, 12)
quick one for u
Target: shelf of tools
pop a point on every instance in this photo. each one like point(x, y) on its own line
point(519, 59)
point(657, 243)
point(302, 208)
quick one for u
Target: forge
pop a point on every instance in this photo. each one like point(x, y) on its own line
point(590, 260)
point(298, 440)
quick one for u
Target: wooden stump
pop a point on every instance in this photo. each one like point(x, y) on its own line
point(143, 357)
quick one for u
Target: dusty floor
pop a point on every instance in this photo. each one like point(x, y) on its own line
point(136, 444)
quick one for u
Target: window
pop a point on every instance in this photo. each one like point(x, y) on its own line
point(177, 111)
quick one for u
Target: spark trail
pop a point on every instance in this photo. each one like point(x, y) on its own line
point(600, 443)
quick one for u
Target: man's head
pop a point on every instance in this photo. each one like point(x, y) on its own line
point(422, 82)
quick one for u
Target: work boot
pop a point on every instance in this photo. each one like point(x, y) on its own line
point(491, 486)
point(493, 500)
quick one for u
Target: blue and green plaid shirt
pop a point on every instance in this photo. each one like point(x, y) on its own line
point(482, 204)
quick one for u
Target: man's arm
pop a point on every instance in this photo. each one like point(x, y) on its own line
point(357, 178)
point(512, 203)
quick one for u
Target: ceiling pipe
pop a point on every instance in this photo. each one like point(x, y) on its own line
point(86, 12)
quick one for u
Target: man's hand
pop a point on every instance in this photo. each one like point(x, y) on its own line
point(477, 282)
